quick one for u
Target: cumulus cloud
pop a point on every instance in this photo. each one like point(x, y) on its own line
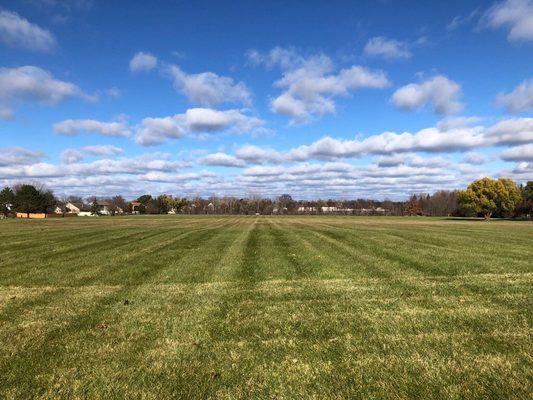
point(154, 131)
point(71, 127)
point(277, 57)
point(69, 156)
point(449, 123)
point(338, 179)
point(158, 130)
point(222, 160)
point(412, 160)
point(310, 85)
point(474, 158)
point(208, 88)
point(426, 140)
point(511, 131)
point(10, 156)
point(516, 15)
point(519, 153)
point(103, 150)
point(33, 84)
point(259, 155)
point(319, 169)
point(439, 91)
point(157, 174)
point(430, 140)
point(16, 31)
point(135, 166)
point(525, 169)
point(398, 148)
point(520, 99)
point(380, 46)
point(143, 62)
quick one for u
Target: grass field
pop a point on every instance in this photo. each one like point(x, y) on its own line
point(262, 307)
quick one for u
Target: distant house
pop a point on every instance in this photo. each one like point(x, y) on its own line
point(135, 207)
point(372, 211)
point(306, 210)
point(103, 207)
point(336, 210)
point(210, 208)
point(80, 209)
point(85, 210)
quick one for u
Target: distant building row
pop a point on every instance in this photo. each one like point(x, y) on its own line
point(340, 210)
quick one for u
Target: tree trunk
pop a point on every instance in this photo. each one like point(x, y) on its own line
point(487, 216)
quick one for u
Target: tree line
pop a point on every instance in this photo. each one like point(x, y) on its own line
point(482, 198)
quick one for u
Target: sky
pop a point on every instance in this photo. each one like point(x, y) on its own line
point(339, 99)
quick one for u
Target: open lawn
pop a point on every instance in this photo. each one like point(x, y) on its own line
point(262, 307)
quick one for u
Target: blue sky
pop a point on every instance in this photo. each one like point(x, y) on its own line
point(376, 99)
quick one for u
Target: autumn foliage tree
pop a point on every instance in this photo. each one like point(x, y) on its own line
point(490, 196)
point(413, 206)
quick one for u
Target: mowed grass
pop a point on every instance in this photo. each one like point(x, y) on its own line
point(265, 307)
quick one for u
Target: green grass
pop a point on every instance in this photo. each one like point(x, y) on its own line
point(263, 307)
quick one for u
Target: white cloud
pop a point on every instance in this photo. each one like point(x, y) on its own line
point(474, 158)
point(399, 148)
point(143, 62)
point(511, 131)
point(519, 153)
point(380, 46)
point(196, 120)
point(10, 156)
point(516, 15)
point(103, 150)
point(520, 99)
point(450, 123)
point(439, 91)
point(209, 120)
point(259, 155)
point(524, 168)
point(16, 31)
point(222, 159)
point(260, 170)
point(134, 166)
point(310, 85)
point(309, 171)
point(70, 156)
point(29, 83)
point(278, 56)
point(208, 88)
point(412, 160)
point(71, 127)
point(158, 130)
point(427, 140)
point(431, 140)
